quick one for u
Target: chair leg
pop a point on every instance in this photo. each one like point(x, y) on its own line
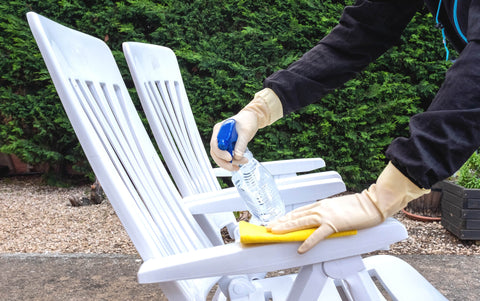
point(309, 283)
point(354, 275)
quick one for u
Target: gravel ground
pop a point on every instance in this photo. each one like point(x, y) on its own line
point(35, 218)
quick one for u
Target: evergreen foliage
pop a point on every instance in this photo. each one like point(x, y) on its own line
point(469, 174)
point(225, 49)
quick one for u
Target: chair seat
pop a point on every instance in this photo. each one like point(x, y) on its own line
point(392, 273)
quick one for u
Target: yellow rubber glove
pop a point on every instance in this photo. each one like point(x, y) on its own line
point(390, 193)
point(263, 110)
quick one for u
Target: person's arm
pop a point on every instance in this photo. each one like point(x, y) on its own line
point(365, 31)
point(444, 137)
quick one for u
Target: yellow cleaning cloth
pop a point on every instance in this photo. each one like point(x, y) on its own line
point(253, 234)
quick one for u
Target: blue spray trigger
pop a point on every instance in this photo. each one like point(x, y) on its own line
point(227, 136)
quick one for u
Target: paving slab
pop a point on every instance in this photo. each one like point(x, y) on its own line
point(51, 277)
point(457, 277)
point(113, 277)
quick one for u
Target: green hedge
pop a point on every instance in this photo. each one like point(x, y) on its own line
point(225, 49)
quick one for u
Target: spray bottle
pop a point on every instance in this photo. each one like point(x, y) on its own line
point(253, 181)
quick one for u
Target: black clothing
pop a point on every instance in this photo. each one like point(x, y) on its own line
point(443, 137)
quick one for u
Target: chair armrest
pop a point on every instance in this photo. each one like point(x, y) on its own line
point(225, 200)
point(220, 172)
point(236, 258)
point(282, 167)
point(300, 189)
point(292, 166)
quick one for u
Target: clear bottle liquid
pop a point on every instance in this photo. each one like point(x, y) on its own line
point(259, 191)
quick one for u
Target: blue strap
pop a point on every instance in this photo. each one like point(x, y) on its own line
point(455, 20)
point(443, 30)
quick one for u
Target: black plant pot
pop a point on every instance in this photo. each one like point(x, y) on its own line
point(461, 211)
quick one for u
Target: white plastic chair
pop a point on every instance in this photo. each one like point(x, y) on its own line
point(159, 83)
point(176, 252)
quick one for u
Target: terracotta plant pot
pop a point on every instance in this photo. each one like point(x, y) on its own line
point(427, 207)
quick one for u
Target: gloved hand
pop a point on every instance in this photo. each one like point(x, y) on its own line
point(263, 110)
point(390, 193)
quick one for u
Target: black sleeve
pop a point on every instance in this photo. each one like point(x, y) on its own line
point(365, 31)
point(443, 137)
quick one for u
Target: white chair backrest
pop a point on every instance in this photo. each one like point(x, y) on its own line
point(162, 93)
point(160, 86)
point(115, 142)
